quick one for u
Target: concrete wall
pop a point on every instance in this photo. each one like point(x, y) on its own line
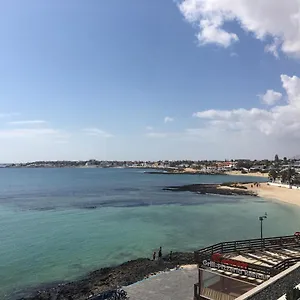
point(276, 286)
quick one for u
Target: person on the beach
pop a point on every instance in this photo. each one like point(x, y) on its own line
point(154, 255)
point(159, 253)
point(170, 256)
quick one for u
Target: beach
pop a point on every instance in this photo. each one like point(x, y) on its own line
point(264, 190)
point(255, 174)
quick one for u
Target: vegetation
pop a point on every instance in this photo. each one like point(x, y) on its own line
point(247, 164)
point(287, 175)
point(273, 174)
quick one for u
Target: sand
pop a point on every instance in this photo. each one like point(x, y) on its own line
point(256, 174)
point(277, 193)
point(190, 170)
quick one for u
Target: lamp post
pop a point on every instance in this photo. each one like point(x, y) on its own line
point(261, 228)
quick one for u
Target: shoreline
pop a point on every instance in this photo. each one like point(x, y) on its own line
point(109, 278)
point(263, 190)
point(255, 174)
point(225, 189)
point(276, 193)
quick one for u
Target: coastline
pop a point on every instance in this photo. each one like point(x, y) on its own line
point(109, 278)
point(262, 190)
point(270, 192)
point(226, 189)
point(134, 271)
point(239, 173)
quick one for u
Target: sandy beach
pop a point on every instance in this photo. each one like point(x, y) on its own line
point(277, 193)
point(239, 173)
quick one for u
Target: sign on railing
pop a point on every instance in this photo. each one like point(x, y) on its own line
point(228, 268)
point(235, 263)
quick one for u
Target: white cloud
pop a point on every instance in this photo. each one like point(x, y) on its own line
point(270, 97)
point(273, 48)
point(28, 122)
point(168, 119)
point(28, 133)
point(97, 132)
point(277, 19)
point(149, 128)
point(212, 33)
point(281, 121)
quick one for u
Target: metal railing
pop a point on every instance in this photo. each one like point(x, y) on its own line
point(241, 246)
point(251, 244)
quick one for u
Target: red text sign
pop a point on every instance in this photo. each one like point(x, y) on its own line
point(219, 259)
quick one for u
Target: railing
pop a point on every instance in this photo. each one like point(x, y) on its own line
point(252, 244)
point(286, 263)
point(196, 291)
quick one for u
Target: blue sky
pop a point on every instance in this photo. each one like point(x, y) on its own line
point(147, 80)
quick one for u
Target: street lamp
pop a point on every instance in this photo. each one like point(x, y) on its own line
point(261, 222)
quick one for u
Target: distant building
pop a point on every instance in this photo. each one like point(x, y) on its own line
point(226, 165)
point(257, 168)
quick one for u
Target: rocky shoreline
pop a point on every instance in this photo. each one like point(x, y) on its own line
point(176, 172)
point(227, 189)
point(110, 278)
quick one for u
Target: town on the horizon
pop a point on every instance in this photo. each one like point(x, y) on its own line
point(243, 165)
point(283, 170)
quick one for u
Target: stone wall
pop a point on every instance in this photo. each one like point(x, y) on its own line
point(275, 287)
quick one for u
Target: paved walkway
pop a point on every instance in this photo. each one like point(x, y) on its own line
point(173, 285)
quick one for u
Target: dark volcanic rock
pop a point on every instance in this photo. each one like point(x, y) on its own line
point(110, 278)
point(210, 189)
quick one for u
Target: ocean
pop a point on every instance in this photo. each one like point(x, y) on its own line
point(59, 224)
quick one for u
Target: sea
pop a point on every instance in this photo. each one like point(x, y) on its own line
point(59, 224)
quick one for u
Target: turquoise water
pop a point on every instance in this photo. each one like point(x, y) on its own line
point(58, 224)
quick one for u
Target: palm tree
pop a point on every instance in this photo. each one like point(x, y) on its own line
point(284, 175)
point(288, 175)
point(291, 175)
point(273, 174)
point(296, 179)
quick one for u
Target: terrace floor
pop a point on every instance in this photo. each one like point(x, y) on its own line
point(173, 285)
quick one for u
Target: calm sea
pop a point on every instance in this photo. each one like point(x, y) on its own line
point(58, 224)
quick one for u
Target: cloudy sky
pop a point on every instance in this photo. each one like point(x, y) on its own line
point(140, 79)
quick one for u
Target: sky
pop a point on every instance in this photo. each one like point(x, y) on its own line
point(149, 80)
